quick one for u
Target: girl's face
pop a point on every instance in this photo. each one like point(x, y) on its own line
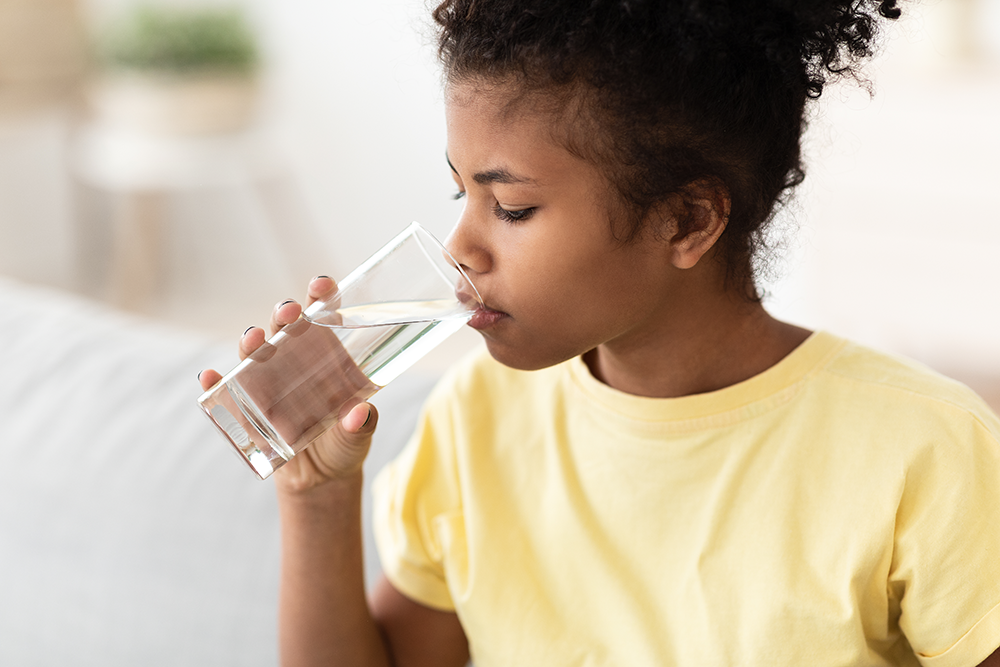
point(536, 238)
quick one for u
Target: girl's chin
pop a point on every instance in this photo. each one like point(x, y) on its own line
point(522, 357)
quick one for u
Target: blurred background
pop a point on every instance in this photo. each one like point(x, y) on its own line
point(197, 161)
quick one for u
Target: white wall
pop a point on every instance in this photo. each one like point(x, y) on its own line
point(357, 89)
point(899, 238)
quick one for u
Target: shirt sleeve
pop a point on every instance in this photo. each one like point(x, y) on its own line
point(413, 496)
point(946, 564)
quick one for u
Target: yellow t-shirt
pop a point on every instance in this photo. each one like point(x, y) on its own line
point(841, 508)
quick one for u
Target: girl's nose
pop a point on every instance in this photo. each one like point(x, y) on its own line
point(469, 248)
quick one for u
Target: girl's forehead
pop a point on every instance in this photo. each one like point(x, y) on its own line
point(478, 113)
point(493, 103)
point(519, 152)
point(508, 99)
point(481, 129)
point(530, 131)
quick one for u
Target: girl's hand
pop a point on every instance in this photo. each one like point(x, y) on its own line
point(339, 453)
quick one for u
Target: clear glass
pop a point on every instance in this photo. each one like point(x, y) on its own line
point(387, 314)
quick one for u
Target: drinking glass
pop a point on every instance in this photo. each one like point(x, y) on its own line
point(387, 314)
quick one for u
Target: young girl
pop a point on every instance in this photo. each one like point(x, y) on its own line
point(646, 468)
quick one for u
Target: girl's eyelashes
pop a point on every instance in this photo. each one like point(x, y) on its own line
point(519, 215)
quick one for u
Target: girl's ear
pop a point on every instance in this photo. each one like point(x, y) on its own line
point(700, 213)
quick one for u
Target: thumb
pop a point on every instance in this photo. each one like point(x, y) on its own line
point(342, 450)
point(361, 420)
point(337, 454)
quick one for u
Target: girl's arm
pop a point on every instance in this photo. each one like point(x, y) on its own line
point(324, 617)
point(418, 636)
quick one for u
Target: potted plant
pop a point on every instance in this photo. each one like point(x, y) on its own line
point(178, 71)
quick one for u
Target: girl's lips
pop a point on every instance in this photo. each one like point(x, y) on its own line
point(485, 318)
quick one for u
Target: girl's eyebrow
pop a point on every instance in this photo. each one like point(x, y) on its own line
point(499, 175)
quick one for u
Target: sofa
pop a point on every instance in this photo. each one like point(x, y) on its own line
point(130, 534)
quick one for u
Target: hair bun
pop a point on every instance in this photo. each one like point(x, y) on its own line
point(831, 37)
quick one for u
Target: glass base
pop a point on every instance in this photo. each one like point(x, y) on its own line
point(263, 452)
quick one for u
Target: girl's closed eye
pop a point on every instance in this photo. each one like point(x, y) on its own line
point(513, 216)
point(507, 215)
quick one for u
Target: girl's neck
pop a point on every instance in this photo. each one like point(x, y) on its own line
point(695, 352)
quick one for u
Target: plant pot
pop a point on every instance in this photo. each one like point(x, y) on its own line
point(175, 104)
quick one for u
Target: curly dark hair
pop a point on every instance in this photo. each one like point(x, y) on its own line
point(680, 90)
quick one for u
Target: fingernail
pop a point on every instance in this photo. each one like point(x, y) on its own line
point(248, 330)
point(199, 375)
point(318, 277)
point(368, 418)
point(286, 302)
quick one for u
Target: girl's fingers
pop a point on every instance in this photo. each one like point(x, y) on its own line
point(252, 339)
point(208, 378)
point(284, 314)
point(320, 287)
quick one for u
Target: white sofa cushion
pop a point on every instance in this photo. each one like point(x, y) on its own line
point(129, 534)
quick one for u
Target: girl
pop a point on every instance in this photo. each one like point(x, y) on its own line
point(646, 468)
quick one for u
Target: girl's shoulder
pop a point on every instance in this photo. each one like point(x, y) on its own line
point(909, 383)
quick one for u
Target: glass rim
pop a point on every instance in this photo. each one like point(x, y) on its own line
point(418, 232)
